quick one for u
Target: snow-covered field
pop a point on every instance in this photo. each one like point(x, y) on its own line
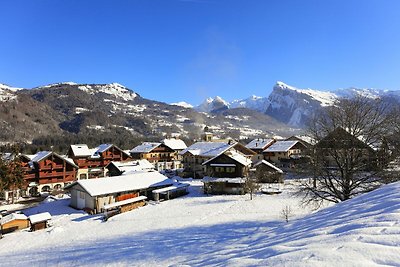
point(201, 230)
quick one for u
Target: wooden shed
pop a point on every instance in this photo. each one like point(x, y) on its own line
point(13, 222)
point(39, 221)
point(234, 186)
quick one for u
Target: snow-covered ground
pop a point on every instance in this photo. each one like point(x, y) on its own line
point(201, 230)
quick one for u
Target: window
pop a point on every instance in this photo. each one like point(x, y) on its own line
point(230, 169)
point(219, 169)
point(82, 176)
point(81, 195)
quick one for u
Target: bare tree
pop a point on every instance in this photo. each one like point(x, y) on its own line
point(349, 155)
point(251, 185)
point(287, 213)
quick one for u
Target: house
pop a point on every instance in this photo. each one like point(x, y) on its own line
point(92, 162)
point(159, 154)
point(13, 222)
point(195, 155)
point(177, 145)
point(305, 140)
point(96, 194)
point(46, 171)
point(259, 145)
point(266, 172)
point(116, 168)
point(229, 164)
point(340, 141)
point(217, 186)
point(39, 221)
point(284, 152)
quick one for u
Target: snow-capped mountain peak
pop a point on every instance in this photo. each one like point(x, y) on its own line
point(7, 92)
point(115, 89)
point(182, 104)
point(213, 105)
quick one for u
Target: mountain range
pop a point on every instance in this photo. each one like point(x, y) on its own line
point(114, 110)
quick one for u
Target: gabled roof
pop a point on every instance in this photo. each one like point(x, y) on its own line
point(207, 149)
point(128, 167)
point(175, 144)
point(116, 184)
point(260, 143)
point(39, 156)
point(103, 147)
point(145, 147)
point(236, 156)
point(95, 152)
point(340, 138)
point(264, 162)
point(81, 150)
point(281, 146)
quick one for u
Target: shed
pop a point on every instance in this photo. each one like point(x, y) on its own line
point(13, 222)
point(39, 221)
point(234, 186)
point(174, 191)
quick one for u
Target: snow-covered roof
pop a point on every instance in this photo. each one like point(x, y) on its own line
point(269, 165)
point(127, 167)
point(12, 217)
point(40, 217)
point(173, 187)
point(237, 180)
point(103, 147)
point(70, 161)
point(281, 146)
point(115, 184)
point(207, 149)
point(81, 150)
point(124, 202)
point(175, 144)
point(259, 143)
point(145, 147)
point(40, 155)
point(236, 156)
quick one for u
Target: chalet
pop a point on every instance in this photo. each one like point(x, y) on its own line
point(259, 145)
point(159, 154)
point(99, 195)
point(228, 165)
point(267, 172)
point(46, 171)
point(92, 162)
point(13, 222)
point(177, 145)
point(305, 140)
point(195, 155)
point(284, 152)
point(117, 168)
point(340, 139)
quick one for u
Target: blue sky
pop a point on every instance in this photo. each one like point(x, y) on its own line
point(186, 50)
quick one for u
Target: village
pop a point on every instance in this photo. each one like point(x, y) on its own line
point(108, 180)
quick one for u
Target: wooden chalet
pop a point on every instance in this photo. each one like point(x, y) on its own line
point(228, 165)
point(159, 154)
point(284, 153)
point(266, 172)
point(46, 171)
point(218, 186)
point(117, 168)
point(100, 195)
point(92, 162)
point(259, 145)
point(195, 155)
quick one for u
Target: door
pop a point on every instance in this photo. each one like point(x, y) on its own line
point(80, 200)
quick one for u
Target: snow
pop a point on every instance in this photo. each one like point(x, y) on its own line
point(211, 104)
point(114, 89)
point(128, 167)
point(129, 182)
point(259, 143)
point(81, 150)
point(103, 147)
point(182, 104)
point(224, 230)
point(171, 188)
point(207, 149)
point(175, 144)
point(40, 217)
point(40, 155)
point(281, 146)
point(269, 165)
point(145, 147)
point(12, 217)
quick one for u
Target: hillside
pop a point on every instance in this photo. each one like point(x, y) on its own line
point(68, 109)
point(200, 230)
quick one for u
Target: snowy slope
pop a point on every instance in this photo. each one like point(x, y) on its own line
point(182, 104)
point(7, 92)
point(253, 102)
point(200, 230)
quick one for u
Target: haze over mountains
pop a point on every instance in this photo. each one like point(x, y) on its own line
point(113, 109)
